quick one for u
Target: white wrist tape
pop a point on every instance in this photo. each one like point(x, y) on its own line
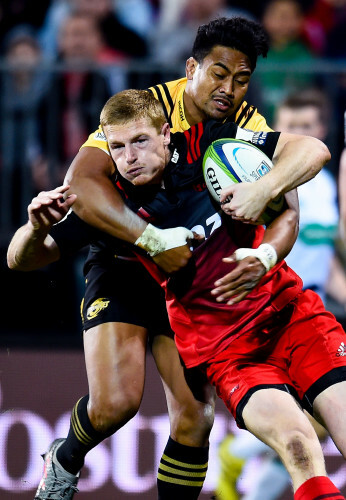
point(155, 240)
point(265, 253)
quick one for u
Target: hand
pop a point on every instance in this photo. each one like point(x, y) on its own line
point(245, 201)
point(48, 208)
point(237, 284)
point(174, 259)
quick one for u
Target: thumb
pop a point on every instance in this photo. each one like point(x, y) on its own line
point(70, 200)
point(187, 233)
point(230, 259)
point(198, 237)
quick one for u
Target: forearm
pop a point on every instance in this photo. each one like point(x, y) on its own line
point(98, 202)
point(30, 249)
point(283, 231)
point(282, 234)
point(295, 162)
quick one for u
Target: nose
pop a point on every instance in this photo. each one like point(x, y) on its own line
point(130, 154)
point(227, 87)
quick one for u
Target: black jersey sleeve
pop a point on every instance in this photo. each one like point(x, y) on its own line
point(213, 130)
point(72, 234)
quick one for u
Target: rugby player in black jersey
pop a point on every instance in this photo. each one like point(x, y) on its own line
point(167, 184)
point(218, 74)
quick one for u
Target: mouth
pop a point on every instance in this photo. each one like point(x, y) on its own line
point(134, 171)
point(223, 104)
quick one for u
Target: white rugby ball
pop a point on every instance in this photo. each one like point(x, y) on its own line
point(230, 161)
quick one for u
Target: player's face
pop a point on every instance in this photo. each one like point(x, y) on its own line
point(217, 86)
point(305, 120)
point(139, 151)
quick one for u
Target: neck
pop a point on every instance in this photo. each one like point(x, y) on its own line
point(193, 114)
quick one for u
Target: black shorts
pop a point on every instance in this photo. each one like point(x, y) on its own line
point(124, 292)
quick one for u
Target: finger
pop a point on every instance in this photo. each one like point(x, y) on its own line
point(238, 298)
point(49, 214)
point(62, 189)
point(222, 286)
point(230, 295)
point(34, 205)
point(229, 286)
point(232, 277)
point(226, 208)
point(226, 192)
point(247, 221)
point(228, 199)
point(40, 220)
point(46, 199)
point(66, 203)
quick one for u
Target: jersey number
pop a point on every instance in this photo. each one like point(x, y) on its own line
point(214, 220)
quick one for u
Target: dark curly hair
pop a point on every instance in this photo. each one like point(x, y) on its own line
point(237, 33)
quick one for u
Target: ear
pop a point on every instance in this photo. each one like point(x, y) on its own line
point(190, 67)
point(166, 132)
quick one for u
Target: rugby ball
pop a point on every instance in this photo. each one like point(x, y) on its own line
point(230, 161)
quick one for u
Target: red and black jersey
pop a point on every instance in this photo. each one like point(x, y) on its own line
point(203, 326)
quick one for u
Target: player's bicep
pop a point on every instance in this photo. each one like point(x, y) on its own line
point(88, 164)
point(284, 139)
point(89, 177)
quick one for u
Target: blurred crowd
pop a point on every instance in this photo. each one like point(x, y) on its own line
point(110, 35)
point(64, 58)
point(137, 28)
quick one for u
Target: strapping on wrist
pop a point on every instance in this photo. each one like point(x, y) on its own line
point(151, 241)
point(265, 253)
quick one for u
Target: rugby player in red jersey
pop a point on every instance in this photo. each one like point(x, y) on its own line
point(218, 74)
point(264, 344)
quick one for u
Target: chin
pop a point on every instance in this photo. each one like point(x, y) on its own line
point(141, 181)
point(220, 115)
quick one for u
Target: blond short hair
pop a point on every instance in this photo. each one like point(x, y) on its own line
point(130, 105)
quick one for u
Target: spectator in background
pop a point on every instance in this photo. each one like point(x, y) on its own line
point(173, 37)
point(283, 21)
point(313, 255)
point(21, 88)
point(25, 81)
point(336, 40)
point(116, 35)
point(21, 12)
point(138, 15)
point(72, 104)
point(324, 27)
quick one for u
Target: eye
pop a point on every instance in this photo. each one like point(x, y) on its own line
point(141, 140)
point(242, 82)
point(115, 147)
point(219, 76)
